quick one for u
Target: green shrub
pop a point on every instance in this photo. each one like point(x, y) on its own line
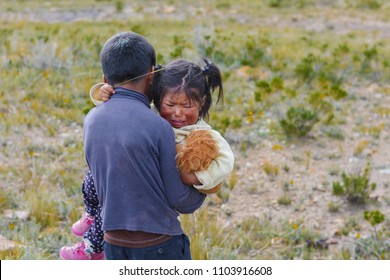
point(333, 206)
point(180, 45)
point(338, 189)
point(374, 217)
point(298, 121)
point(355, 187)
point(264, 88)
point(284, 199)
point(368, 4)
point(119, 6)
point(307, 68)
point(252, 51)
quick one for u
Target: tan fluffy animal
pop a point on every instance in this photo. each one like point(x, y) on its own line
point(196, 153)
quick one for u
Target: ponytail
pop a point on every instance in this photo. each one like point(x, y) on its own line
point(213, 79)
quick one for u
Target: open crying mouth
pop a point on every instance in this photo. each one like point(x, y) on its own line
point(177, 122)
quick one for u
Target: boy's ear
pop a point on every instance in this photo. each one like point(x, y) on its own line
point(104, 79)
point(151, 75)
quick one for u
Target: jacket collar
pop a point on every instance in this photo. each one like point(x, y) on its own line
point(130, 94)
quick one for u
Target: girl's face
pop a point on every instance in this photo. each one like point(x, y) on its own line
point(178, 109)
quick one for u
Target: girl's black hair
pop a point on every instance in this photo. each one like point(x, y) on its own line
point(196, 82)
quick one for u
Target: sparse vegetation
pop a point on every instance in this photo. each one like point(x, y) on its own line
point(356, 187)
point(272, 170)
point(284, 199)
point(298, 122)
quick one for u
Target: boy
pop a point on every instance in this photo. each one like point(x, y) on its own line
point(131, 153)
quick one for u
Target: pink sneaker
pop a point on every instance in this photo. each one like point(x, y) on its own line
point(78, 252)
point(82, 226)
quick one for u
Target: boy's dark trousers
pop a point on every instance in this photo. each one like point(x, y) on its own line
point(176, 248)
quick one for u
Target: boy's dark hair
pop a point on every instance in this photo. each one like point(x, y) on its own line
point(126, 56)
point(196, 82)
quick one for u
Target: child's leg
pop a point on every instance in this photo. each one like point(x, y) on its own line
point(90, 226)
point(91, 248)
point(90, 197)
point(94, 237)
point(91, 204)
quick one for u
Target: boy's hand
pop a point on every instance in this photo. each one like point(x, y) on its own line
point(189, 179)
point(106, 91)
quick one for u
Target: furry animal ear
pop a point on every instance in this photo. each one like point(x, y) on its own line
point(196, 152)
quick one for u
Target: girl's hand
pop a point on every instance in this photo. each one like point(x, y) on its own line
point(106, 91)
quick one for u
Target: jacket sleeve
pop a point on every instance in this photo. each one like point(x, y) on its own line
point(220, 168)
point(185, 199)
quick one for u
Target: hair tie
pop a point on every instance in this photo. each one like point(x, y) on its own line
point(207, 67)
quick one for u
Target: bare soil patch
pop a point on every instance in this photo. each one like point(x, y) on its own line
point(307, 170)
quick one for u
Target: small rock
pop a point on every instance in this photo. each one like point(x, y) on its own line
point(22, 215)
point(384, 171)
point(227, 210)
point(6, 244)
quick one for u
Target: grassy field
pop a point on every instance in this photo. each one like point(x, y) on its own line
point(289, 70)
